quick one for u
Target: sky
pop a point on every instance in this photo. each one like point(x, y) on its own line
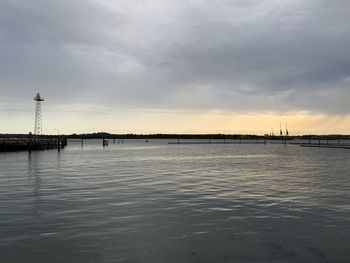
point(176, 66)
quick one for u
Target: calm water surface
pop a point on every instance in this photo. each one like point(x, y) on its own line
point(154, 202)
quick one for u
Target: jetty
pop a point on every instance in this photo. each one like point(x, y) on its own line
point(219, 142)
point(31, 144)
point(331, 146)
point(257, 140)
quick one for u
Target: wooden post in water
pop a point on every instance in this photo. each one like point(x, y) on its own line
point(58, 143)
point(82, 142)
point(105, 142)
point(30, 137)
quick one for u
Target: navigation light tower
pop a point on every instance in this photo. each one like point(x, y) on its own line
point(37, 124)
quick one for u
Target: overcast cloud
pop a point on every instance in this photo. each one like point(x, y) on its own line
point(235, 55)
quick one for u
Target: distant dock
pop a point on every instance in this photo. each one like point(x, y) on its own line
point(331, 146)
point(31, 144)
point(216, 142)
point(236, 141)
point(319, 143)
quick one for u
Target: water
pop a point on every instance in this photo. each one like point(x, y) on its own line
point(154, 202)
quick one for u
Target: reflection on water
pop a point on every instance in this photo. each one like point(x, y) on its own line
point(154, 202)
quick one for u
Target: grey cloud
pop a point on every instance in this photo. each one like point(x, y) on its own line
point(226, 55)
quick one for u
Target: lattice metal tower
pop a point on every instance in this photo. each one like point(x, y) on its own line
point(38, 124)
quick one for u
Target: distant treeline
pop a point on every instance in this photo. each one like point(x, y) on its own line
point(105, 135)
point(161, 136)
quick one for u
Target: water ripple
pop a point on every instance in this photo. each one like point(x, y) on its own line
point(154, 202)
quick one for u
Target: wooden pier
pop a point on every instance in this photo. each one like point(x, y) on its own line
point(215, 142)
point(320, 143)
point(31, 144)
point(331, 146)
point(265, 141)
